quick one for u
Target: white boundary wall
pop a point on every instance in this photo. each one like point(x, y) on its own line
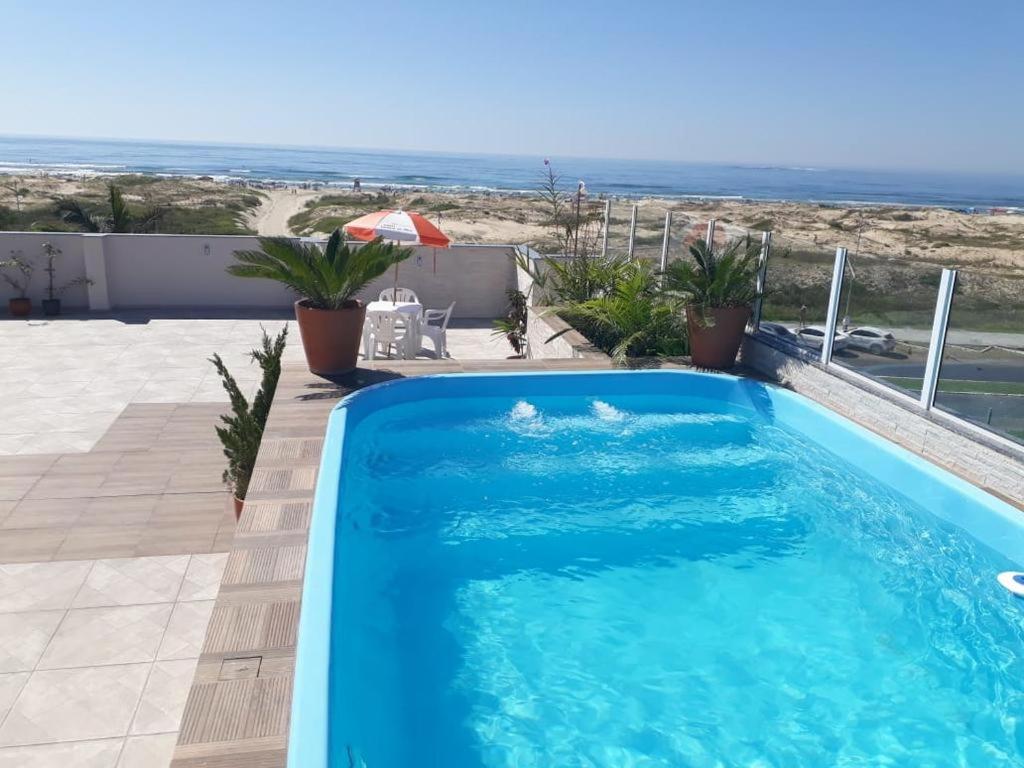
point(69, 265)
point(180, 271)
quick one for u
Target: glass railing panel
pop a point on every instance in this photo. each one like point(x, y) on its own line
point(795, 304)
point(884, 322)
point(982, 373)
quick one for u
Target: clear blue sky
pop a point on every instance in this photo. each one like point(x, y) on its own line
point(927, 84)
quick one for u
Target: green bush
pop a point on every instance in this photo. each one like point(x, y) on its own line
point(242, 430)
point(633, 319)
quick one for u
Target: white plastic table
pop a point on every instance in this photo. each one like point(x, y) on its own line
point(415, 313)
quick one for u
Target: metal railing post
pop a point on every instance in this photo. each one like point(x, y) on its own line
point(607, 223)
point(940, 324)
point(833, 306)
point(665, 240)
point(632, 232)
point(762, 273)
point(709, 236)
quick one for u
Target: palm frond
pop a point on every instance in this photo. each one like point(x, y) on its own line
point(74, 213)
point(329, 278)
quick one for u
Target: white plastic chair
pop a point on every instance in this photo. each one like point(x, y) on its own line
point(399, 295)
point(383, 330)
point(437, 333)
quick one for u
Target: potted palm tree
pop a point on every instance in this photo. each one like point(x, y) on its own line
point(719, 288)
point(242, 429)
point(329, 315)
point(17, 272)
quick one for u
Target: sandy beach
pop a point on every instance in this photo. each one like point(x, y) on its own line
point(933, 236)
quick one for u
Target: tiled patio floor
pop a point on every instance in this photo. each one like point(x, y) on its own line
point(150, 486)
point(114, 527)
point(96, 657)
point(65, 381)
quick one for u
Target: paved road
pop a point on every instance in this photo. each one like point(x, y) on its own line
point(967, 338)
point(975, 371)
point(953, 336)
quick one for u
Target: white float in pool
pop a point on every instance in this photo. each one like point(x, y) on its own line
point(1013, 581)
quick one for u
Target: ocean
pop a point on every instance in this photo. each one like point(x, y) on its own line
point(508, 173)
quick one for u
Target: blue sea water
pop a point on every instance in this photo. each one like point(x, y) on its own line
point(654, 581)
point(508, 173)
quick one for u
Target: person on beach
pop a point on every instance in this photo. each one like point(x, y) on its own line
point(357, 185)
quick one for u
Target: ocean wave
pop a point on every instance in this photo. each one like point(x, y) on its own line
point(507, 175)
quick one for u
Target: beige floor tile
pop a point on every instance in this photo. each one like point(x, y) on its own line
point(163, 698)
point(153, 751)
point(66, 487)
point(30, 545)
point(101, 541)
point(202, 579)
point(45, 513)
point(10, 686)
point(74, 754)
point(118, 635)
point(118, 510)
point(133, 581)
point(15, 488)
point(24, 636)
point(40, 586)
point(186, 630)
point(75, 704)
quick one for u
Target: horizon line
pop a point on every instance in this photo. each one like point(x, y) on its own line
point(753, 165)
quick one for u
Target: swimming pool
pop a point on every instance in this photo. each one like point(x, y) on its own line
point(647, 569)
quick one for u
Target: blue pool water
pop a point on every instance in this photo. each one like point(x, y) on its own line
point(657, 570)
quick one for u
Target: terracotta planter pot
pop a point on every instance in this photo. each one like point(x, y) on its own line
point(715, 342)
point(239, 504)
point(330, 337)
point(20, 307)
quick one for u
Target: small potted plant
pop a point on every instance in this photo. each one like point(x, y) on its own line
point(512, 327)
point(51, 304)
point(329, 315)
point(242, 430)
point(17, 272)
point(719, 288)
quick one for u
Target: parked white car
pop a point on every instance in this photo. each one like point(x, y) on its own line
point(874, 340)
point(777, 329)
point(813, 336)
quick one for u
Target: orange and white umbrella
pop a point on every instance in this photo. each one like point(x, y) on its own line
point(397, 225)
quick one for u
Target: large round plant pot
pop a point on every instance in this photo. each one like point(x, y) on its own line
point(715, 335)
point(20, 307)
point(330, 337)
point(239, 505)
